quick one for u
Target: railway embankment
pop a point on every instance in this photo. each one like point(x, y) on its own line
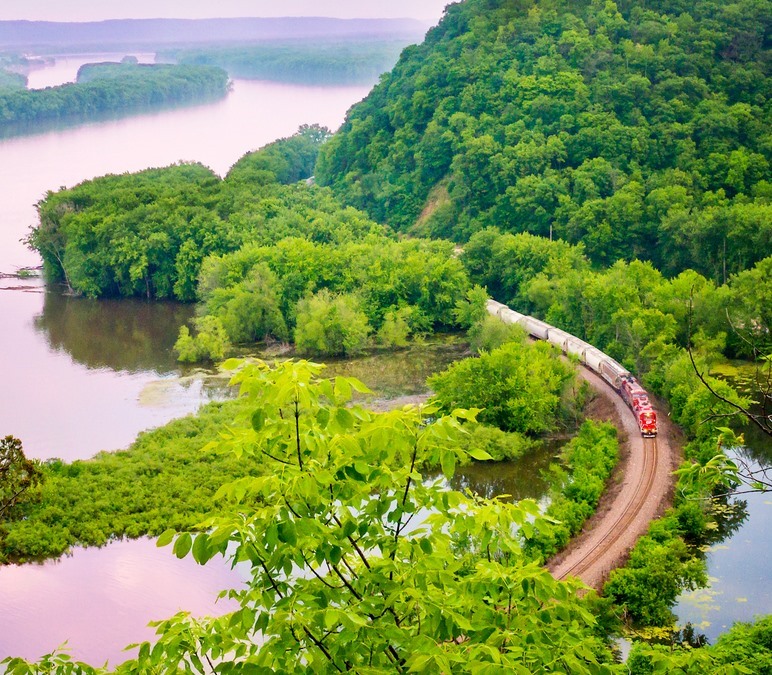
point(638, 492)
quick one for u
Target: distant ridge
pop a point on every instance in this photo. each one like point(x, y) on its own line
point(129, 32)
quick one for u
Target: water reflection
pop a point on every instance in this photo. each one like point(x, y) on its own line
point(403, 372)
point(737, 560)
point(123, 335)
point(522, 479)
point(100, 600)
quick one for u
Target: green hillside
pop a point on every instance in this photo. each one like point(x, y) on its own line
point(639, 129)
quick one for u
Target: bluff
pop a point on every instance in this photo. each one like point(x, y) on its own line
point(639, 129)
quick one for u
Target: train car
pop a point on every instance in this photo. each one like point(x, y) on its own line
point(603, 365)
point(577, 348)
point(612, 372)
point(637, 398)
point(634, 394)
point(647, 421)
point(536, 328)
point(494, 307)
point(593, 357)
point(558, 337)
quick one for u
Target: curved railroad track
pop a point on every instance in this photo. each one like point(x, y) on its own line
point(608, 537)
point(622, 521)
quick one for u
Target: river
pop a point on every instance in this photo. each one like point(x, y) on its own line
point(51, 396)
point(738, 563)
point(81, 376)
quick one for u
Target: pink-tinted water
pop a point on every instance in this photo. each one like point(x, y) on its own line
point(51, 397)
point(99, 601)
point(79, 376)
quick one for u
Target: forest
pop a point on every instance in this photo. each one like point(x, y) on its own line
point(605, 167)
point(641, 131)
point(308, 62)
point(119, 89)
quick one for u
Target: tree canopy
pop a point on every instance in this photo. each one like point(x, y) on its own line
point(640, 130)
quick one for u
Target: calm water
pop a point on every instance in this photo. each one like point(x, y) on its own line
point(129, 583)
point(738, 565)
point(80, 376)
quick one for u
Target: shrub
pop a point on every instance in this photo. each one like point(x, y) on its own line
point(209, 344)
point(331, 325)
point(518, 386)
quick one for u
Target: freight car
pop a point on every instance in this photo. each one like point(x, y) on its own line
point(603, 365)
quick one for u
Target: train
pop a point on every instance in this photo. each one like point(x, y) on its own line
point(632, 393)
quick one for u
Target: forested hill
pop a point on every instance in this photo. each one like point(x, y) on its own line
point(641, 129)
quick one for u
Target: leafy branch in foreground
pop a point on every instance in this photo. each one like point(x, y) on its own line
point(358, 563)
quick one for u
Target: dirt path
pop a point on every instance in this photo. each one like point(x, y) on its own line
point(638, 493)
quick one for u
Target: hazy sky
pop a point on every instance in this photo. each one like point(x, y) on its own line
point(97, 10)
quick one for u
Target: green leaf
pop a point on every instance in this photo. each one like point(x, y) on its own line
point(448, 463)
point(182, 545)
point(258, 420)
point(166, 538)
point(342, 390)
point(480, 455)
point(288, 533)
point(201, 552)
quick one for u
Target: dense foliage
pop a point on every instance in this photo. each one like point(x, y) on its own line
point(164, 480)
point(641, 130)
point(11, 80)
point(587, 462)
point(745, 648)
point(646, 321)
point(310, 62)
point(113, 89)
point(629, 310)
point(341, 580)
point(11, 67)
point(145, 234)
point(518, 386)
point(333, 295)
point(167, 477)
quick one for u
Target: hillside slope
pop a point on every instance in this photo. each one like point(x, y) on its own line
point(639, 129)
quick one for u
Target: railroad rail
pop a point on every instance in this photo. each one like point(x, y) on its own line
point(606, 542)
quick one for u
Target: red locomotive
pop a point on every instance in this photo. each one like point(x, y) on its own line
point(610, 370)
point(638, 399)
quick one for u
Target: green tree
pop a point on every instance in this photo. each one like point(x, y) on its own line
point(329, 324)
point(210, 343)
point(18, 477)
point(518, 386)
point(357, 564)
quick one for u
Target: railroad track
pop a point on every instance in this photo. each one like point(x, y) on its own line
point(594, 552)
point(611, 531)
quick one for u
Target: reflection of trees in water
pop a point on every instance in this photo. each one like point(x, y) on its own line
point(403, 372)
point(128, 335)
point(730, 514)
point(522, 479)
point(689, 637)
